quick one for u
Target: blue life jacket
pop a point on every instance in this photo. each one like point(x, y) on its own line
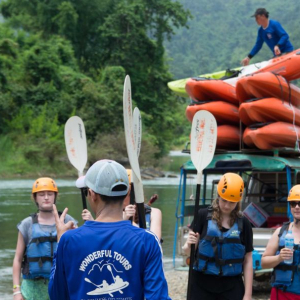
point(220, 253)
point(39, 252)
point(148, 216)
point(287, 276)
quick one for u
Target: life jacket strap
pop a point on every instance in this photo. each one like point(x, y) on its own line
point(221, 262)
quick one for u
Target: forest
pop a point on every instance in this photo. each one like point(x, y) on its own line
point(62, 58)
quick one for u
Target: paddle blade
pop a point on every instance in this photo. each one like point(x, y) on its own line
point(203, 139)
point(75, 140)
point(128, 126)
point(137, 130)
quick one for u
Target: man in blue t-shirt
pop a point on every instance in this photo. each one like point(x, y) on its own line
point(107, 258)
point(271, 32)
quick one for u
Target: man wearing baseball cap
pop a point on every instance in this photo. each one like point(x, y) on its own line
point(272, 33)
point(107, 258)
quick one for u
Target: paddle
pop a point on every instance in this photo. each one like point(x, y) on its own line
point(137, 131)
point(75, 140)
point(203, 144)
point(132, 151)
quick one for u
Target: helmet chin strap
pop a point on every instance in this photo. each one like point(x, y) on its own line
point(296, 221)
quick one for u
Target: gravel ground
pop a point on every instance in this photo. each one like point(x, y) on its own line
point(177, 283)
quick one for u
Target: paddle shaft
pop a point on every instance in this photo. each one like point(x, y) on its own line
point(132, 198)
point(141, 213)
point(83, 199)
point(193, 246)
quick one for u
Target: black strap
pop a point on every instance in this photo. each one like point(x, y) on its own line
point(285, 267)
point(209, 213)
point(222, 240)
point(283, 228)
point(40, 260)
point(44, 239)
point(221, 262)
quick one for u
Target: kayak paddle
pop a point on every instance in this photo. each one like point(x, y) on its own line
point(75, 140)
point(132, 151)
point(203, 144)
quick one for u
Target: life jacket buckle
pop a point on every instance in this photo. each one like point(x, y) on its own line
point(40, 262)
point(221, 262)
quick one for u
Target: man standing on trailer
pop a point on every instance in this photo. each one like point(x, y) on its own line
point(271, 32)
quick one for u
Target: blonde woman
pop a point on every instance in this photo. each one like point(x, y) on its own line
point(224, 245)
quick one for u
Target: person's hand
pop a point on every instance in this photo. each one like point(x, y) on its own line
point(86, 215)
point(18, 297)
point(245, 61)
point(129, 212)
point(247, 297)
point(285, 254)
point(193, 238)
point(61, 227)
point(277, 50)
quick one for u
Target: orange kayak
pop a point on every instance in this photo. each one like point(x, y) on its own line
point(271, 135)
point(225, 113)
point(264, 85)
point(268, 110)
point(206, 89)
point(286, 65)
point(228, 137)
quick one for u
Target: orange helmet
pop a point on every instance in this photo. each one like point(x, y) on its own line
point(231, 187)
point(44, 184)
point(129, 175)
point(294, 194)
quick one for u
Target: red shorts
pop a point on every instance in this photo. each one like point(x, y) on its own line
point(277, 294)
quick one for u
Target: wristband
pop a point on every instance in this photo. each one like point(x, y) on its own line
point(16, 286)
point(16, 293)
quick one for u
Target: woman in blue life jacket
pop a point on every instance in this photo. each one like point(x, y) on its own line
point(286, 277)
point(36, 244)
point(224, 245)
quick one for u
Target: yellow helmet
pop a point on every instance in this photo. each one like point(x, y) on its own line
point(231, 187)
point(44, 184)
point(129, 175)
point(294, 194)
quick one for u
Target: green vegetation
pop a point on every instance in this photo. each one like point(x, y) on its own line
point(60, 58)
point(222, 33)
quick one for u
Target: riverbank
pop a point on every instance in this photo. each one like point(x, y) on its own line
point(177, 283)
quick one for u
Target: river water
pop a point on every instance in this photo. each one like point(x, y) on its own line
point(15, 205)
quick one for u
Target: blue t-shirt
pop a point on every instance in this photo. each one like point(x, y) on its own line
point(273, 35)
point(108, 261)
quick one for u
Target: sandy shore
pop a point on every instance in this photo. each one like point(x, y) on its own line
point(177, 283)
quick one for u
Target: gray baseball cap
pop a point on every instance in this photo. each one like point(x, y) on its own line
point(105, 177)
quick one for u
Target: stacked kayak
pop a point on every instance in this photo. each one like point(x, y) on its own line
point(218, 96)
point(270, 104)
point(260, 96)
point(271, 135)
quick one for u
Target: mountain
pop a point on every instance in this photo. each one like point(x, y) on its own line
point(222, 33)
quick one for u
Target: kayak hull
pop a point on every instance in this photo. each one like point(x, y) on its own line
point(203, 89)
point(225, 113)
point(286, 65)
point(272, 136)
point(265, 85)
point(228, 137)
point(268, 110)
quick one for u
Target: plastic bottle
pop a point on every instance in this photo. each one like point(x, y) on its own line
point(289, 243)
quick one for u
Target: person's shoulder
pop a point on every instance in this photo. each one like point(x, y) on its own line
point(246, 222)
point(143, 234)
point(274, 23)
point(204, 211)
point(70, 218)
point(27, 221)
